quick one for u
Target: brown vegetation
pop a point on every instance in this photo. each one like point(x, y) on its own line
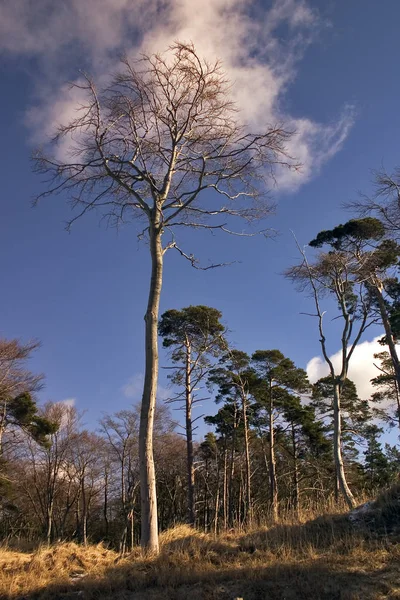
point(326, 558)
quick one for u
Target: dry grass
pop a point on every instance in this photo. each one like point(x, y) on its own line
point(324, 559)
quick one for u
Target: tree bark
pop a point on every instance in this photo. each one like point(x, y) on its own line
point(105, 505)
point(272, 460)
point(189, 439)
point(389, 334)
point(248, 515)
point(225, 488)
point(206, 510)
point(149, 524)
point(232, 471)
point(296, 490)
point(49, 522)
point(132, 523)
point(84, 512)
point(3, 420)
point(216, 505)
point(337, 448)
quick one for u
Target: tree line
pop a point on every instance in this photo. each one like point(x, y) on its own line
point(271, 452)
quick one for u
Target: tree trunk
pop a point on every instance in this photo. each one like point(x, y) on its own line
point(388, 333)
point(337, 448)
point(240, 500)
point(248, 514)
point(49, 523)
point(3, 420)
point(105, 505)
point(398, 402)
point(272, 460)
point(216, 506)
point(132, 522)
point(205, 511)
point(189, 438)
point(148, 494)
point(225, 488)
point(296, 491)
point(232, 470)
point(84, 512)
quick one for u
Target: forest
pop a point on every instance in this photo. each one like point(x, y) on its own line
point(272, 451)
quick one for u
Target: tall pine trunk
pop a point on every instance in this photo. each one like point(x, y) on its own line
point(272, 459)
point(296, 489)
point(231, 505)
point(248, 513)
point(189, 438)
point(216, 505)
point(225, 487)
point(388, 333)
point(337, 448)
point(148, 494)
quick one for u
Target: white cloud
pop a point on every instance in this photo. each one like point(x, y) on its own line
point(247, 36)
point(361, 370)
point(68, 402)
point(133, 389)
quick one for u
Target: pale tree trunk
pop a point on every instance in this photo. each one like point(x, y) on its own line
point(240, 499)
point(398, 403)
point(84, 512)
point(50, 502)
point(337, 448)
point(248, 516)
point(49, 522)
point(3, 420)
point(272, 460)
point(389, 334)
point(105, 505)
point(232, 470)
point(149, 524)
point(206, 509)
point(132, 523)
point(225, 488)
point(216, 506)
point(189, 438)
point(296, 490)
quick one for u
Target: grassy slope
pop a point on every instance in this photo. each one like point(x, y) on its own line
point(326, 558)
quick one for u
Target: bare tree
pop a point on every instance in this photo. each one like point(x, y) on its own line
point(333, 273)
point(147, 146)
point(48, 466)
point(121, 432)
point(384, 203)
point(86, 468)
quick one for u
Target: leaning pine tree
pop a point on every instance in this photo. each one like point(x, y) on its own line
point(334, 274)
point(145, 148)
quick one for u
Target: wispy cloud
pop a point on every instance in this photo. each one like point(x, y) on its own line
point(246, 36)
point(70, 402)
point(133, 389)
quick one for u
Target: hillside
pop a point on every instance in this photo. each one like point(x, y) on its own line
point(331, 557)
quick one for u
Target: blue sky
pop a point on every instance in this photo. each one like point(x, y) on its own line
point(330, 69)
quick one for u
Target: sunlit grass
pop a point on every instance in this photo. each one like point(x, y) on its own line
point(326, 558)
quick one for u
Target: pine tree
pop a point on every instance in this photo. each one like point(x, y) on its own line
point(277, 379)
point(195, 336)
point(377, 471)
